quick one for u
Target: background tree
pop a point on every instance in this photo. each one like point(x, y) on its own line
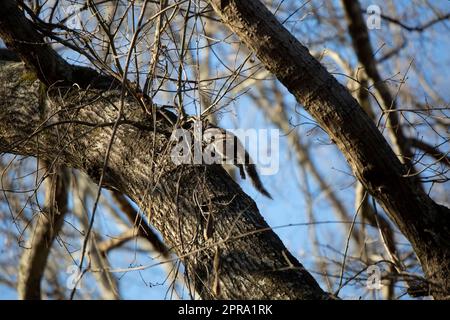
point(100, 88)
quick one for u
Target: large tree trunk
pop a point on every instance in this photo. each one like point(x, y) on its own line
point(425, 223)
point(252, 261)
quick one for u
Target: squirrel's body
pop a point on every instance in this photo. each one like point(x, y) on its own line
point(231, 150)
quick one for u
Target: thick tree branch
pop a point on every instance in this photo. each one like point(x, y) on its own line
point(424, 222)
point(254, 264)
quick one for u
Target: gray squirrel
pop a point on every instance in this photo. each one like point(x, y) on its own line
point(229, 148)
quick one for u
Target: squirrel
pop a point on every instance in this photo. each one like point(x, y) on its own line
point(218, 140)
point(223, 143)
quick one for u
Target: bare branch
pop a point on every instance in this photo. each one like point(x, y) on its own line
point(432, 151)
point(361, 42)
point(47, 226)
point(20, 36)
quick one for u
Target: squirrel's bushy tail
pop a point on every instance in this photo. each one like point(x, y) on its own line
point(254, 178)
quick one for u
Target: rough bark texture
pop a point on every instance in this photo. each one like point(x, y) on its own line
point(254, 264)
point(143, 229)
point(425, 223)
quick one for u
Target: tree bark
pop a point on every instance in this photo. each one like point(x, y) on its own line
point(425, 223)
point(254, 264)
